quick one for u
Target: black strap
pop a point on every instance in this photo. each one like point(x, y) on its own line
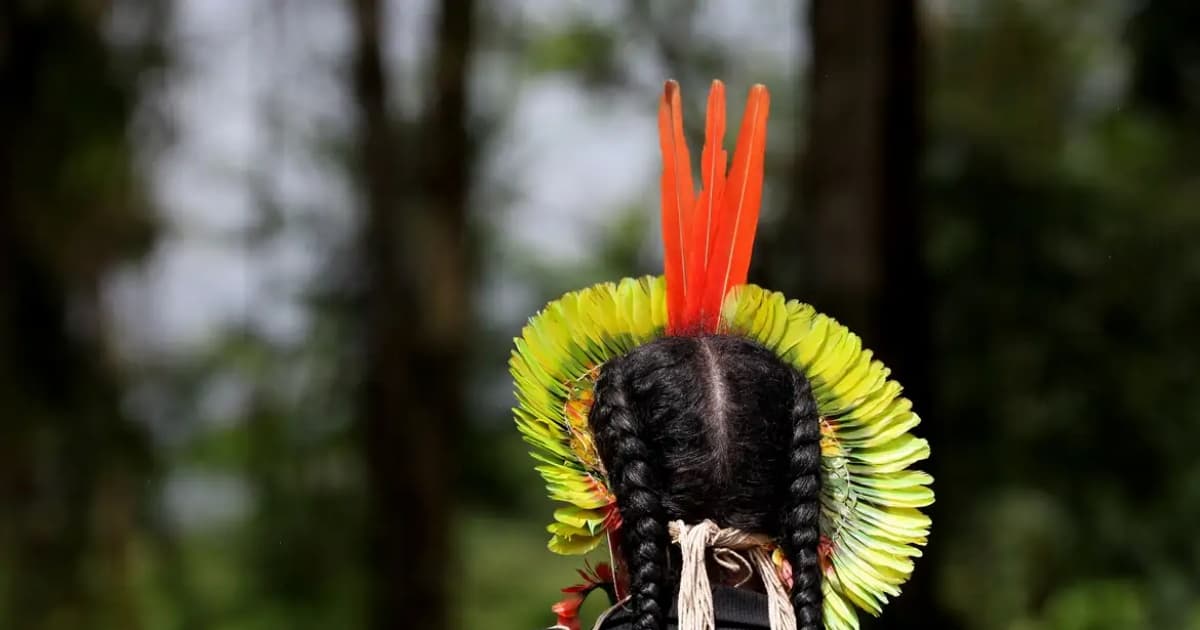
point(733, 608)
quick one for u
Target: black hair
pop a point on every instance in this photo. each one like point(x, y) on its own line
point(714, 427)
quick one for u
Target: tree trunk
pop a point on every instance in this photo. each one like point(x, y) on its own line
point(852, 244)
point(415, 181)
point(70, 463)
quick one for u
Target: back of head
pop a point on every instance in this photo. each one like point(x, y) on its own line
point(709, 427)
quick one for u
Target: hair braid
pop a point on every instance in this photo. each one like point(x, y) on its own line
point(636, 482)
point(801, 527)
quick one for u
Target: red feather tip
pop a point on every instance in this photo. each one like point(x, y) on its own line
point(708, 239)
point(677, 198)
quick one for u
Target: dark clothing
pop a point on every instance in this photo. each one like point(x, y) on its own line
point(733, 608)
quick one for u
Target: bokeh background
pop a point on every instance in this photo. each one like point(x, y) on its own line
point(261, 263)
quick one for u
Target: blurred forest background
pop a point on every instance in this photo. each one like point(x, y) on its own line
point(261, 264)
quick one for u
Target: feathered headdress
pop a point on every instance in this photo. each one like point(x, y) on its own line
point(871, 525)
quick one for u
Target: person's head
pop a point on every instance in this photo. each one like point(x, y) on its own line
point(711, 427)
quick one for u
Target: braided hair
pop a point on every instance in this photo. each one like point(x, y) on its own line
point(800, 528)
point(714, 427)
point(637, 481)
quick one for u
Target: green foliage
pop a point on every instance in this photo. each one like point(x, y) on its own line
point(1061, 236)
point(583, 48)
point(494, 549)
point(1060, 199)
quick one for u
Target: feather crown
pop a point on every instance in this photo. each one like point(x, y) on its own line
point(871, 522)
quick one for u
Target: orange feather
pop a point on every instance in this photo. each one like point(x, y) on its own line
point(733, 242)
point(712, 174)
point(677, 202)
